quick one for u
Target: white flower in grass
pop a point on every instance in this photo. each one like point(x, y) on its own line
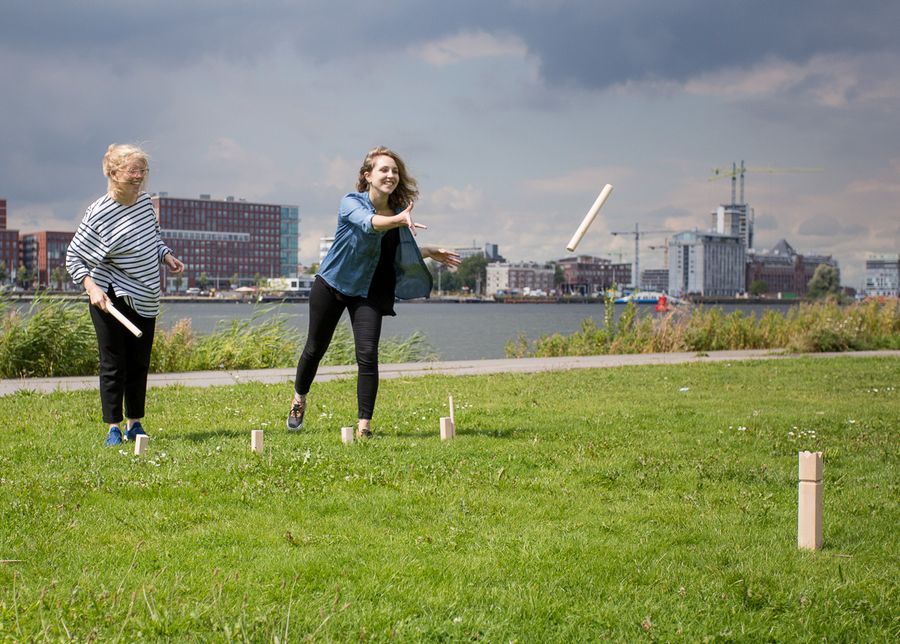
point(742, 428)
point(685, 389)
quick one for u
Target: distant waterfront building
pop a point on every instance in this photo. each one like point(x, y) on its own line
point(491, 252)
point(655, 279)
point(783, 270)
point(586, 275)
point(42, 253)
point(290, 241)
point(325, 244)
point(226, 239)
point(883, 275)
point(735, 219)
point(518, 278)
point(9, 244)
point(706, 263)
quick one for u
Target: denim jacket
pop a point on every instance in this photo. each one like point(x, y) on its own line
point(351, 261)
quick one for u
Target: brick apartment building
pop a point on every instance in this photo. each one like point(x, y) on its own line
point(228, 240)
point(586, 275)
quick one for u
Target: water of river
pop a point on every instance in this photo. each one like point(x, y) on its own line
point(456, 331)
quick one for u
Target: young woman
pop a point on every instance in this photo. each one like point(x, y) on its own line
point(373, 260)
point(115, 255)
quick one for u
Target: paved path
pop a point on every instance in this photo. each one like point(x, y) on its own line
point(405, 370)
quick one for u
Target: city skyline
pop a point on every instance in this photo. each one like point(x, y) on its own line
point(512, 115)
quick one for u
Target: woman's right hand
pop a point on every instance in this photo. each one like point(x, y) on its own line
point(405, 219)
point(97, 296)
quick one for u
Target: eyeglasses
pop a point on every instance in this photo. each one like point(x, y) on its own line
point(135, 172)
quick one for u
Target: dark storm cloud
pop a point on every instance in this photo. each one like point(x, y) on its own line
point(582, 42)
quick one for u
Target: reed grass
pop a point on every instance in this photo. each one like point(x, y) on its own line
point(807, 328)
point(55, 338)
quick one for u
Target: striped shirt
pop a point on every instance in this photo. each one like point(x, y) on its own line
point(120, 245)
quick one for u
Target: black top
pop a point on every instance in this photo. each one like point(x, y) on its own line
point(384, 280)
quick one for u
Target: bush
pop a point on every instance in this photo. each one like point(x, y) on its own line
point(55, 338)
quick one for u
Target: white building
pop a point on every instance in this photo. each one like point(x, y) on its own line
point(735, 219)
point(883, 275)
point(707, 263)
point(519, 278)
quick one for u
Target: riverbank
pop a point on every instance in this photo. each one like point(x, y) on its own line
point(292, 298)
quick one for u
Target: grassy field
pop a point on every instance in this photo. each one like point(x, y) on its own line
point(630, 504)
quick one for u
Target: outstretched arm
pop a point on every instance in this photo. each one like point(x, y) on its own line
point(442, 255)
point(386, 222)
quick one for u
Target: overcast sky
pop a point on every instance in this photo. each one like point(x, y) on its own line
point(511, 114)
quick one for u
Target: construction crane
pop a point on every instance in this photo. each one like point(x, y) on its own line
point(735, 172)
point(637, 232)
point(665, 250)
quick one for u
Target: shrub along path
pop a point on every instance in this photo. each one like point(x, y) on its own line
point(403, 370)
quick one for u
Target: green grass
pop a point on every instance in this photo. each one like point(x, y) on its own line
point(643, 503)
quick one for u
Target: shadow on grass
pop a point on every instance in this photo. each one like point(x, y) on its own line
point(202, 437)
point(488, 433)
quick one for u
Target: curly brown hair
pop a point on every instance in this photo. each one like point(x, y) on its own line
point(407, 190)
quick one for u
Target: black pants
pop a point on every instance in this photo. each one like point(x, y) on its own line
point(124, 361)
point(326, 305)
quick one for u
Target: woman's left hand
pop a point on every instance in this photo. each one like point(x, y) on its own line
point(174, 264)
point(444, 256)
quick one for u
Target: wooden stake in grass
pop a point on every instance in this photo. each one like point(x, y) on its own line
point(810, 503)
point(347, 435)
point(140, 444)
point(256, 441)
point(447, 429)
point(452, 414)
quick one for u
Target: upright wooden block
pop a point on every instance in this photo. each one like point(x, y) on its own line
point(810, 501)
point(452, 414)
point(256, 441)
point(347, 435)
point(140, 444)
point(447, 429)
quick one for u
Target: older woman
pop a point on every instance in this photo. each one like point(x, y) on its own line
point(374, 258)
point(115, 255)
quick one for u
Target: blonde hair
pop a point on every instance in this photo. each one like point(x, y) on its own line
point(407, 190)
point(117, 156)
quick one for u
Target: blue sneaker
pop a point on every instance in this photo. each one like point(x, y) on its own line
point(132, 433)
point(114, 437)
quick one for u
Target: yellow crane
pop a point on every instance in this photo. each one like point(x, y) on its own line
point(735, 172)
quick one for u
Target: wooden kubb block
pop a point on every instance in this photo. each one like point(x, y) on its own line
point(448, 431)
point(810, 501)
point(347, 435)
point(140, 444)
point(256, 441)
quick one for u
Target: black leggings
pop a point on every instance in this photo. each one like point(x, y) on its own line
point(124, 361)
point(326, 305)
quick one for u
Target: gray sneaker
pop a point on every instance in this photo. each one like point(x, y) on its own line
point(295, 416)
